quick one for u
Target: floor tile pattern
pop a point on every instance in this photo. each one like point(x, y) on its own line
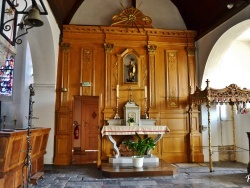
point(196, 175)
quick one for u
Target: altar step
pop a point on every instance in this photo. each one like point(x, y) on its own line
point(118, 170)
point(84, 156)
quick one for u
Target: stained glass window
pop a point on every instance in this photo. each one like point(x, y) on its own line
point(6, 77)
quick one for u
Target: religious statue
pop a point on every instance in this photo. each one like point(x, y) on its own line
point(131, 70)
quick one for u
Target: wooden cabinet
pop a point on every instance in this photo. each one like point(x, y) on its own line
point(13, 153)
point(165, 61)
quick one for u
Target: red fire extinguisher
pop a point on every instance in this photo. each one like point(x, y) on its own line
point(76, 130)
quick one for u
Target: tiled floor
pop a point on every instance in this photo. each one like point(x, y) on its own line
point(197, 175)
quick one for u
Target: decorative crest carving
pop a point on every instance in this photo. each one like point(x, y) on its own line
point(131, 17)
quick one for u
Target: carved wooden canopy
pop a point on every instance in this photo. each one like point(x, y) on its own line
point(230, 94)
point(131, 17)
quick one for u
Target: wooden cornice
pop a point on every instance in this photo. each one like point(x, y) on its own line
point(132, 31)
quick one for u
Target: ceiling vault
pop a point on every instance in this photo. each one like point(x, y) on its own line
point(201, 16)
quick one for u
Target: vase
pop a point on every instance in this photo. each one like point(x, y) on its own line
point(137, 162)
point(131, 124)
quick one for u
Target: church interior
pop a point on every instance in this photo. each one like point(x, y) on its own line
point(81, 78)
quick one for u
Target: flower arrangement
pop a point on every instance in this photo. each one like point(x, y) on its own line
point(131, 120)
point(141, 146)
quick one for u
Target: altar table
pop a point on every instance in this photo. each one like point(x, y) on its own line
point(131, 130)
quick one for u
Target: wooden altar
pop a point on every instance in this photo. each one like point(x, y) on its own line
point(13, 147)
point(231, 94)
point(120, 166)
point(109, 131)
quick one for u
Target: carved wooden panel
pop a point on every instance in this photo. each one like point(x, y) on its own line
point(63, 152)
point(63, 124)
point(14, 155)
point(62, 145)
point(3, 151)
point(44, 142)
point(87, 69)
point(12, 159)
point(175, 148)
point(198, 149)
point(36, 146)
point(172, 72)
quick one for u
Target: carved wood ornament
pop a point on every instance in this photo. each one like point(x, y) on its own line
point(131, 17)
point(231, 94)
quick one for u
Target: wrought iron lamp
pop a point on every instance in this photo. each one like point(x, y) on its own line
point(11, 10)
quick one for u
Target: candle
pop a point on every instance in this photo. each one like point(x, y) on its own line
point(117, 91)
point(15, 117)
point(145, 92)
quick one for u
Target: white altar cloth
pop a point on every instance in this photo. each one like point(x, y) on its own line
point(131, 130)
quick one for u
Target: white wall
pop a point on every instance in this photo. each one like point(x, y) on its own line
point(43, 57)
point(210, 53)
point(242, 124)
point(207, 43)
point(214, 133)
point(164, 14)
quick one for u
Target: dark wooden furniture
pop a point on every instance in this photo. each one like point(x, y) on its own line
point(13, 146)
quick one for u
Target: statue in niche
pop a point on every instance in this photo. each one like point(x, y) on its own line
point(131, 70)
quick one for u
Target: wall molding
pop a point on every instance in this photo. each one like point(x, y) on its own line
point(44, 86)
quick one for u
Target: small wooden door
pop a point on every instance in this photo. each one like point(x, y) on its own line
point(87, 113)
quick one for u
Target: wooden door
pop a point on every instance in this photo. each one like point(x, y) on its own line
point(87, 113)
point(90, 128)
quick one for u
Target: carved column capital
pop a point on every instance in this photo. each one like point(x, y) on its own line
point(151, 49)
point(65, 47)
point(108, 47)
point(190, 50)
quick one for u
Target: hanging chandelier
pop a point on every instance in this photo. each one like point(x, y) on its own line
point(15, 10)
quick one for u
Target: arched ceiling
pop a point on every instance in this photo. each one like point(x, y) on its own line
point(200, 15)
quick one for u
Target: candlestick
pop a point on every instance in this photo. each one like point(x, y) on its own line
point(145, 110)
point(117, 91)
point(145, 92)
point(117, 115)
